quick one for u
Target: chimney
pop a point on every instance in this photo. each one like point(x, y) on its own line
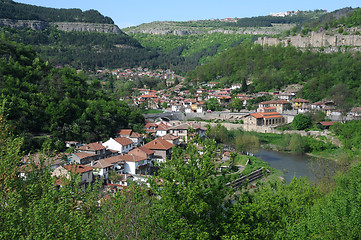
point(92, 163)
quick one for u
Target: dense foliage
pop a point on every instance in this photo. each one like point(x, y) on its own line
point(19, 11)
point(349, 133)
point(39, 99)
point(85, 50)
point(274, 67)
point(348, 17)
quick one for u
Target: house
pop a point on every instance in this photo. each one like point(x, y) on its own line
point(82, 157)
point(180, 131)
point(85, 172)
point(120, 144)
point(143, 152)
point(137, 138)
point(301, 105)
point(162, 149)
point(135, 164)
point(264, 119)
point(95, 148)
point(124, 133)
point(172, 139)
point(161, 130)
point(103, 167)
point(280, 105)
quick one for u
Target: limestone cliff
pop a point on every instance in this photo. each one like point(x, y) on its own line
point(316, 40)
point(64, 26)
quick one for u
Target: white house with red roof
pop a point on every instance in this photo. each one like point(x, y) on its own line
point(120, 144)
point(162, 148)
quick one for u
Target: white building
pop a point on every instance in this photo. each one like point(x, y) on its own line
point(120, 144)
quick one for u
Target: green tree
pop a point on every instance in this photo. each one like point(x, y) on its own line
point(192, 197)
point(213, 104)
point(236, 104)
point(301, 122)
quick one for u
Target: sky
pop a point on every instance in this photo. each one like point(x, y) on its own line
point(127, 13)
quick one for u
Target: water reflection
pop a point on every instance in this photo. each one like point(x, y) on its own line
point(291, 164)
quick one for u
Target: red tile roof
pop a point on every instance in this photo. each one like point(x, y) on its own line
point(132, 158)
point(78, 168)
point(170, 137)
point(158, 144)
point(330, 123)
point(125, 132)
point(92, 147)
point(256, 115)
point(123, 141)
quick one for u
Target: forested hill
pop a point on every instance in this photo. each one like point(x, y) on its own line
point(19, 11)
point(39, 100)
point(274, 67)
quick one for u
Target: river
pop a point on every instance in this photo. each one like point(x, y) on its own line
point(291, 164)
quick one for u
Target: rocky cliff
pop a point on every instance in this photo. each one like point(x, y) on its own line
point(316, 40)
point(182, 28)
point(64, 26)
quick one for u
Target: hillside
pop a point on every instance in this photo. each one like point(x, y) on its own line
point(274, 67)
point(41, 100)
point(19, 11)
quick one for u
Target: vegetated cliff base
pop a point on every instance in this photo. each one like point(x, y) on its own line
point(330, 42)
point(186, 28)
point(64, 26)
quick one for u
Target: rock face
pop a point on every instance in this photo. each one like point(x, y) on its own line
point(315, 40)
point(35, 25)
point(86, 27)
point(64, 26)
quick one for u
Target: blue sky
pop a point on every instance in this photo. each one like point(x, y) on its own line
point(134, 12)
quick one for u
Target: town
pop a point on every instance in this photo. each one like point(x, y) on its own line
point(179, 115)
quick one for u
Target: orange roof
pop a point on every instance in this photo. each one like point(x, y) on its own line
point(149, 125)
point(92, 147)
point(273, 116)
point(141, 151)
point(123, 141)
point(132, 158)
point(162, 127)
point(256, 115)
point(136, 135)
point(78, 168)
point(170, 137)
point(330, 123)
point(159, 144)
point(270, 113)
point(125, 131)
